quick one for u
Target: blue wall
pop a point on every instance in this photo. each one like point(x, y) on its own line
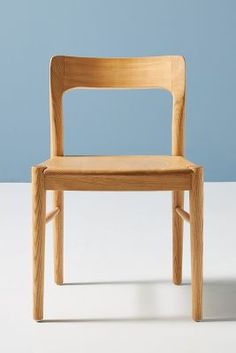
point(204, 31)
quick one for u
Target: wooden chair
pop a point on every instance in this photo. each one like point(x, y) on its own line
point(117, 173)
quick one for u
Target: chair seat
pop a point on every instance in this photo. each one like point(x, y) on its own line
point(117, 165)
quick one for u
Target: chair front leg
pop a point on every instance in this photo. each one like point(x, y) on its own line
point(177, 237)
point(196, 231)
point(39, 221)
point(58, 235)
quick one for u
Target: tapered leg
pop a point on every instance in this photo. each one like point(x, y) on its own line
point(58, 232)
point(38, 218)
point(177, 230)
point(196, 230)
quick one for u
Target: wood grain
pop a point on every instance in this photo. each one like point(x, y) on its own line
point(177, 237)
point(58, 236)
point(56, 110)
point(163, 72)
point(196, 230)
point(118, 182)
point(178, 109)
point(114, 165)
point(50, 215)
point(118, 173)
point(183, 214)
point(38, 221)
point(147, 72)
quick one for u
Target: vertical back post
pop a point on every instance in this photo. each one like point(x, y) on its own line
point(57, 73)
point(56, 109)
point(178, 117)
point(178, 110)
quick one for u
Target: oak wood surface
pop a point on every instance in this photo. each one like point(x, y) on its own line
point(196, 232)
point(183, 214)
point(58, 235)
point(119, 173)
point(163, 72)
point(38, 221)
point(50, 215)
point(118, 182)
point(177, 236)
point(117, 165)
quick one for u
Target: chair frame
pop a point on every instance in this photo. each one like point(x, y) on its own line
point(161, 72)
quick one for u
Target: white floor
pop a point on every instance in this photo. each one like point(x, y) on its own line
point(118, 295)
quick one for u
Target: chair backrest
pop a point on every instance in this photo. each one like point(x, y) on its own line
point(163, 72)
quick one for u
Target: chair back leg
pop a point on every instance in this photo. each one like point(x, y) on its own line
point(58, 234)
point(177, 234)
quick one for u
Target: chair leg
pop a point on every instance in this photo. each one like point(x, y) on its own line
point(177, 230)
point(196, 230)
point(58, 235)
point(38, 218)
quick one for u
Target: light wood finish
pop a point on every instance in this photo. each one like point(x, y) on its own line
point(118, 165)
point(183, 214)
point(39, 217)
point(56, 109)
point(196, 231)
point(117, 173)
point(165, 72)
point(58, 236)
point(177, 236)
point(52, 214)
point(118, 182)
point(178, 120)
point(178, 109)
